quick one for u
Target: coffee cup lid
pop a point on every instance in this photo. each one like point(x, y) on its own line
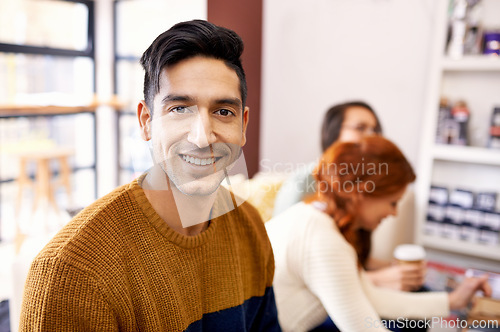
point(409, 252)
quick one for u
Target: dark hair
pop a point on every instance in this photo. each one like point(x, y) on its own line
point(378, 168)
point(186, 40)
point(334, 117)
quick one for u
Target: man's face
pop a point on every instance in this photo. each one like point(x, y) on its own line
point(199, 124)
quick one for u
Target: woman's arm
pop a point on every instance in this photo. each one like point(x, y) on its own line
point(394, 304)
point(404, 277)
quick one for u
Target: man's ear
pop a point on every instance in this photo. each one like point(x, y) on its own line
point(145, 118)
point(246, 115)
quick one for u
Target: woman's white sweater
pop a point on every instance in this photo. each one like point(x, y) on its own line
point(317, 276)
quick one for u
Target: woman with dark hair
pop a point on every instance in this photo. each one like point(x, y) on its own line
point(321, 246)
point(349, 122)
point(346, 122)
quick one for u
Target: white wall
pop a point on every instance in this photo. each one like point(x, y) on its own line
point(318, 53)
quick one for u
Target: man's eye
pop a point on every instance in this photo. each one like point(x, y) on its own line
point(180, 109)
point(224, 112)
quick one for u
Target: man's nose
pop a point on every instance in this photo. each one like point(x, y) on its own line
point(201, 133)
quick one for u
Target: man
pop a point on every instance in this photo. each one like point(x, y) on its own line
point(172, 250)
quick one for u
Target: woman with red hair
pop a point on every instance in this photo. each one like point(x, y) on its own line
point(320, 246)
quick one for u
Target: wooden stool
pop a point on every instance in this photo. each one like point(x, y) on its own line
point(44, 187)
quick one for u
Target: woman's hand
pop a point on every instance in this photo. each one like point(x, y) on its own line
point(404, 277)
point(463, 294)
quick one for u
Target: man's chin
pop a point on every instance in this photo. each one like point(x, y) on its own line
point(194, 190)
point(200, 187)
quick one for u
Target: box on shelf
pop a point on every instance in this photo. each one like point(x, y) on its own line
point(486, 201)
point(438, 199)
point(490, 229)
point(462, 215)
point(492, 42)
point(453, 123)
point(470, 231)
point(460, 201)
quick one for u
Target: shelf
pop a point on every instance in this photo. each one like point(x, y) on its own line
point(20, 110)
point(475, 79)
point(15, 110)
point(462, 247)
point(472, 63)
point(467, 154)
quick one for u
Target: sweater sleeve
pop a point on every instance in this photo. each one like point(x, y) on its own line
point(393, 304)
point(58, 297)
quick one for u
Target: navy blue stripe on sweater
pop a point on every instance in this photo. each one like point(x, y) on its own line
point(258, 313)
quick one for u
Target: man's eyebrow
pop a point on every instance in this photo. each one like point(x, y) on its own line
point(222, 101)
point(171, 98)
point(229, 101)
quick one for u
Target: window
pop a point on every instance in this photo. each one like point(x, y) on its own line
point(47, 77)
point(137, 24)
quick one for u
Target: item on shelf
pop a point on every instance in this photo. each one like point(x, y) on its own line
point(461, 114)
point(473, 34)
point(486, 201)
point(451, 131)
point(474, 218)
point(438, 199)
point(471, 224)
point(444, 115)
point(490, 229)
point(453, 122)
point(492, 43)
point(495, 129)
point(458, 29)
point(460, 201)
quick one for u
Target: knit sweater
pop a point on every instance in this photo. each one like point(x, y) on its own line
point(117, 266)
point(317, 276)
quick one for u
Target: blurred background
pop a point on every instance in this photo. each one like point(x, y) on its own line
point(70, 82)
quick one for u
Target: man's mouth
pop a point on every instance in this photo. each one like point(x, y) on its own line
point(200, 161)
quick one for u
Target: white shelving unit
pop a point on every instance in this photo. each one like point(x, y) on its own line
point(466, 154)
point(475, 79)
point(471, 63)
point(460, 247)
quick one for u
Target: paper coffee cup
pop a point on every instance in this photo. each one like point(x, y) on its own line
point(409, 253)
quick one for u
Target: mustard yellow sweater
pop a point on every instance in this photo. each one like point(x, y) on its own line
point(117, 266)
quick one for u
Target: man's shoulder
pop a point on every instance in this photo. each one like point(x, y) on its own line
point(119, 196)
point(250, 212)
point(234, 206)
point(245, 212)
point(95, 223)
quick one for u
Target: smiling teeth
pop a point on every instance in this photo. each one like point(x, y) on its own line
point(198, 161)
